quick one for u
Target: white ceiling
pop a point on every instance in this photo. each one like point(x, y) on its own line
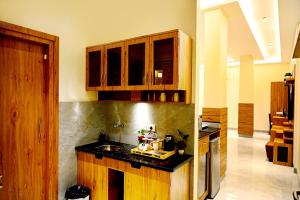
point(268, 40)
point(289, 18)
point(240, 38)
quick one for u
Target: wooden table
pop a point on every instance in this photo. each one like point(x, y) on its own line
point(279, 120)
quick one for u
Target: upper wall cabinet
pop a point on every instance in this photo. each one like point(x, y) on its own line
point(164, 61)
point(94, 68)
point(137, 76)
point(114, 71)
point(157, 62)
point(170, 62)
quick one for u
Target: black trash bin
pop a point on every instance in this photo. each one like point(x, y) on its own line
point(78, 192)
point(296, 195)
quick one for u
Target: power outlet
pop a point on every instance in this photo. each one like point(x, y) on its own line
point(147, 127)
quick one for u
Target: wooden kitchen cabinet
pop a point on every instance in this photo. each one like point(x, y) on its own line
point(144, 183)
point(94, 68)
point(163, 61)
point(157, 62)
point(114, 70)
point(170, 61)
point(92, 175)
point(137, 76)
point(147, 183)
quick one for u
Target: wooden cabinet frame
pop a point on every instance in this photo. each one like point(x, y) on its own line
point(111, 46)
point(170, 35)
point(101, 75)
point(147, 71)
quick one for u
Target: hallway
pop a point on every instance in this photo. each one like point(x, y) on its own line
point(249, 176)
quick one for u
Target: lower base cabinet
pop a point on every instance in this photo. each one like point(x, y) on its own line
point(103, 176)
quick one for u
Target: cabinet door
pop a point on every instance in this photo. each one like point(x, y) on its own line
point(94, 68)
point(92, 175)
point(148, 185)
point(137, 64)
point(114, 66)
point(164, 61)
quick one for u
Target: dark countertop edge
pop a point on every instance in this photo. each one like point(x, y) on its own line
point(183, 162)
point(190, 157)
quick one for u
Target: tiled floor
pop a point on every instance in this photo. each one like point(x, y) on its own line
point(250, 176)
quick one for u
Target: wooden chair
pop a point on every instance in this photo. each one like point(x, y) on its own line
point(270, 123)
point(269, 150)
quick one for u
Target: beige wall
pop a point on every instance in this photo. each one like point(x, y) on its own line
point(82, 23)
point(264, 74)
point(215, 56)
point(246, 79)
point(233, 86)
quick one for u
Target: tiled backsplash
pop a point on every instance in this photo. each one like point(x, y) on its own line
point(81, 122)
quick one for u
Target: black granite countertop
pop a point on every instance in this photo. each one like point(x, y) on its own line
point(208, 131)
point(170, 164)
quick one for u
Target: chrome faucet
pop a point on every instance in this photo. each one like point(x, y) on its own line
point(119, 124)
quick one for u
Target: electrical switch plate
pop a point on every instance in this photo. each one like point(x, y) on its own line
point(150, 125)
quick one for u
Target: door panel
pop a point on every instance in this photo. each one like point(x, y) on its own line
point(137, 75)
point(23, 118)
point(164, 61)
point(114, 66)
point(94, 68)
point(279, 97)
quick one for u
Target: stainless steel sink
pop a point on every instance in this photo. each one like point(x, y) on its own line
point(109, 147)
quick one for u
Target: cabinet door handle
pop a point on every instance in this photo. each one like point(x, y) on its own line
point(150, 78)
point(1, 182)
point(39, 129)
point(104, 80)
point(100, 79)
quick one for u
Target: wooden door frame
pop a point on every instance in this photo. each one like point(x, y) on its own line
point(52, 42)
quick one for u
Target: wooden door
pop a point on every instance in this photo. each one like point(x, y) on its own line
point(28, 114)
point(137, 74)
point(164, 61)
point(279, 98)
point(94, 68)
point(114, 73)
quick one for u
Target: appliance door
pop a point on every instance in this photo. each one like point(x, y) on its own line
point(202, 176)
point(214, 186)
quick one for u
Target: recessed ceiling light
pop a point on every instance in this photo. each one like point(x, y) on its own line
point(265, 19)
